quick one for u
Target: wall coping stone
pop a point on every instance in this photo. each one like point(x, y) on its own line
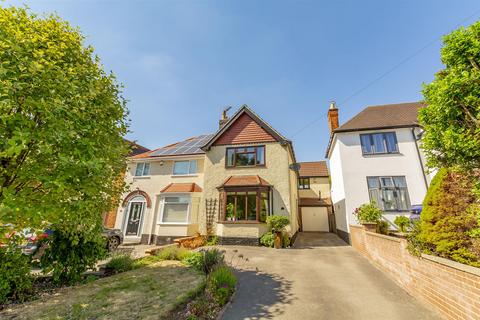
point(384, 236)
point(452, 264)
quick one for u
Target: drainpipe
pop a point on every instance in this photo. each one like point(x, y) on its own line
point(420, 159)
point(154, 222)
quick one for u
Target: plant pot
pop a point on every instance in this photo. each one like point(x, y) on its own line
point(278, 240)
point(370, 226)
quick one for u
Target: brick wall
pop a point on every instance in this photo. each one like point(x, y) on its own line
point(450, 287)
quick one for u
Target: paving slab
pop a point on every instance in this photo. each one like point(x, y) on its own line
point(322, 277)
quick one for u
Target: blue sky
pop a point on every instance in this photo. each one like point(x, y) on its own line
point(182, 62)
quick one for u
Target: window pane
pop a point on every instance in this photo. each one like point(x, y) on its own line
point(193, 166)
point(375, 196)
point(386, 182)
point(263, 206)
point(175, 212)
point(181, 167)
point(252, 206)
point(176, 199)
point(389, 201)
point(403, 201)
point(373, 182)
point(139, 169)
point(378, 143)
point(261, 155)
point(366, 144)
point(230, 208)
point(250, 149)
point(391, 140)
point(245, 159)
point(241, 206)
point(230, 157)
point(146, 169)
point(400, 182)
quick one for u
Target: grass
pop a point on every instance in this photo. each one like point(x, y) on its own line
point(148, 292)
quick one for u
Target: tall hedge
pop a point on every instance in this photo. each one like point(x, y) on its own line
point(449, 225)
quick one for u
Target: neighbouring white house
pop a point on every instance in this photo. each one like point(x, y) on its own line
point(376, 156)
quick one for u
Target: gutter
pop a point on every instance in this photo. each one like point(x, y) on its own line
point(420, 158)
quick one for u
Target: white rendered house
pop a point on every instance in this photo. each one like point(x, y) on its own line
point(376, 156)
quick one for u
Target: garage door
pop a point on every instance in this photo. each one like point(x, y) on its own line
point(315, 219)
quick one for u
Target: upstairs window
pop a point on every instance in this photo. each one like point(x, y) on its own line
point(379, 143)
point(185, 167)
point(245, 156)
point(390, 193)
point(143, 169)
point(304, 183)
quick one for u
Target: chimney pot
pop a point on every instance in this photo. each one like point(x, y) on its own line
point(333, 116)
point(224, 119)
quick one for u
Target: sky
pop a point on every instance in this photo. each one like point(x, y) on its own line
point(182, 62)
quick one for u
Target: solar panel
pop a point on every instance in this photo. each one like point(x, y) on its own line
point(191, 146)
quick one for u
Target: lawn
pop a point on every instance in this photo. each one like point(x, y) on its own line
point(149, 292)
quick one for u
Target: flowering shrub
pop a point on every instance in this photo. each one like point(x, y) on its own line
point(368, 213)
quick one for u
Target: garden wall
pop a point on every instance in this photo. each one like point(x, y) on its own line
point(450, 287)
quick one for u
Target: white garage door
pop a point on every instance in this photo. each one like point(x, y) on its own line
point(315, 219)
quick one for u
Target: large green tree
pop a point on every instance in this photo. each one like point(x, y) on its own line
point(62, 119)
point(452, 117)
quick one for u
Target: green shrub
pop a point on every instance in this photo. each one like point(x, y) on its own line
point(267, 240)
point(172, 253)
point(221, 283)
point(285, 240)
point(71, 250)
point(368, 213)
point(212, 241)
point(120, 263)
point(277, 223)
point(15, 278)
point(382, 227)
point(205, 260)
point(402, 222)
point(449, 218)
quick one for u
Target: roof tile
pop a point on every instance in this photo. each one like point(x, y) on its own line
point(313, 169)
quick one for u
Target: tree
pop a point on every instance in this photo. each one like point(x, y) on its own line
point(62, 119)
point(451, 118)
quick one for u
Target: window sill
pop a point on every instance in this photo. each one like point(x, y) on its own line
point(241, 222)
point(372, 155)
point(184, 175)
point(173, 223)
point(142, 177)
point(245, 167)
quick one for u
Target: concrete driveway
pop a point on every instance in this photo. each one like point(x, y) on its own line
point(321, 278)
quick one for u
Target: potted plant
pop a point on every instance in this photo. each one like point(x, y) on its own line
point(230, 211)
point(277, 225)
point(403, 223)
point(368, 215)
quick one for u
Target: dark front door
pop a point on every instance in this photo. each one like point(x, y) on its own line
point(134, 218)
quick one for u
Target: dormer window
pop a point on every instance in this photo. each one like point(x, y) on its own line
point(245, 156)
point(379, 143)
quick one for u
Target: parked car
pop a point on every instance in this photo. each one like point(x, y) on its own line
point(113, 237)
point(415, 212)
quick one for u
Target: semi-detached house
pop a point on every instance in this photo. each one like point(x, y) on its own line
point(223, 184)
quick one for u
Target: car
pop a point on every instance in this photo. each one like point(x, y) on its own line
point(415, 212)
point(114, 238)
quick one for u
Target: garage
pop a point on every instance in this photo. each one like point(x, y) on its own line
point(315, 219)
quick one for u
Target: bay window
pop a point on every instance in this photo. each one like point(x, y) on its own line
point(245, 204)
point(175, 209)
point(390, 193)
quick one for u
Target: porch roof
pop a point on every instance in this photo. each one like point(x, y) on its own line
point(315, 202)
point(181, 187)
point(245, 181)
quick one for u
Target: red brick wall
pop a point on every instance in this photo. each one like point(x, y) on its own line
point(450, 287)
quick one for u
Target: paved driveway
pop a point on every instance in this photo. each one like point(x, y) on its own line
point(321, 278)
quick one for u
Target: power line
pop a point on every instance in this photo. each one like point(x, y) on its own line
point(383, 75)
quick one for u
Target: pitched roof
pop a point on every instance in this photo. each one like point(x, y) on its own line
point(315, 202)
point(384, 116)
point(181, 187)
point(191, 146)
point(136, 148)
point(259, 121)
point(245, 181)
point(313, 169)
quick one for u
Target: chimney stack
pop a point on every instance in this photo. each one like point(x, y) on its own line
point(224, 119)
point(333, 116)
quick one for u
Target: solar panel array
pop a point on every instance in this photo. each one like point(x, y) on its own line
point(190, 146)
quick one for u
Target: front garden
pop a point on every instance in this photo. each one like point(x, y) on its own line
point(173, 283)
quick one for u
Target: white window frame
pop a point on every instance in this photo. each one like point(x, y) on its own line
point(189, 168)
point(144, 174)
point(127, 214)
point(162, 207)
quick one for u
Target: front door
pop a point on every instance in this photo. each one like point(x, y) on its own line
point(134, 219)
